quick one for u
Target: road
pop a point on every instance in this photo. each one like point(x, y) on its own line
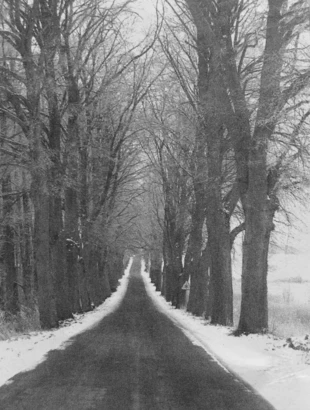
point(134, 359)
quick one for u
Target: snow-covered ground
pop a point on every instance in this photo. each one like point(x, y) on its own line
point(277, 372)
point(25, 352)
point(289, 256)
point(280, 374)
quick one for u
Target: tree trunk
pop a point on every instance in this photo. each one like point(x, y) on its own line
point(50, 44)
point(8, 250)
point(89, 286)
point(96, 279)
point(261, 204)
point(192, 268)
point(9, 292)
point(221, 273)
point(27, 261)
point(172, 262)
point(114, 268)
point(46, 293)
point(103, 275)
point(212, 94)
point(72, 220)
point(175, 195)
point(218, 227)
point(155, 269)
point(57, 238)
point(41, 202)
point(72, 247)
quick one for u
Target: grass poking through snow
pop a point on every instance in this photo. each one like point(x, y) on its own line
point(13, 325)
point(289, 307)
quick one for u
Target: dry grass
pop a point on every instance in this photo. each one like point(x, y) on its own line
point(288, 318)
point(11, 325)
point(289, 308)
point(289, 311)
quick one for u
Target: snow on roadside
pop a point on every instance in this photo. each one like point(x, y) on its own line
point(277, 372)
point(25, 352)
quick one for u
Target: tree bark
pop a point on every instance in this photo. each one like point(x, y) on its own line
point(155, 268)
point(261, 203)
point(49, 42)
point(46, 292)
point(11, 304)
point(218, 226)
point(72, 220)
point(192, 265)
point(175, 194)
point(27, 257)
point(213, 98)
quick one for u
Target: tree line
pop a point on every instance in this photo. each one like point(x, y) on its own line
point(175, 143)
point(228, 144)
point(70, 84)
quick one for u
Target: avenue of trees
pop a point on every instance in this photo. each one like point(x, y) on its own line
point(69, 88)
point(229, 133)
point(174, 143)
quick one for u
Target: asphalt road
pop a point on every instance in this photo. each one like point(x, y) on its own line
point(134, 359)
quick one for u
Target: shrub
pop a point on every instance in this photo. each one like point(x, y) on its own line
point(25, 321)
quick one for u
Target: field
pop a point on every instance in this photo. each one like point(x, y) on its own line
point(289, 307)
point(288, 294)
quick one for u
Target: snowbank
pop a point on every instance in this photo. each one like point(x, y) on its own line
point(280, 374)
point(26, 352)
point(277, 372)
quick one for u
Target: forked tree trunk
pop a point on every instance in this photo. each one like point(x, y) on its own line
point(261, 204)
point(213, 97)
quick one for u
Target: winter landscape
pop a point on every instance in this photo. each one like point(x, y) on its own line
point(277, 371)
point(172, 133)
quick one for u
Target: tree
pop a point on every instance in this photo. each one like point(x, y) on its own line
point(233, 109)
point(54, 86)
point(210, 104)
point(167, 148)
point(261, 200)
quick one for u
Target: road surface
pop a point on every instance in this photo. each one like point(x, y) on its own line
point(134, 359)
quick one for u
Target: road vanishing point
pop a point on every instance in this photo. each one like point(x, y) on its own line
point(136, 358)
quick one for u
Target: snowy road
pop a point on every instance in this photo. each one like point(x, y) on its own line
point(135, 358)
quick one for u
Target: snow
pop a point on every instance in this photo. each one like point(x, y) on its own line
point(277, 372)
point(280, 374)
point(25, 352)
